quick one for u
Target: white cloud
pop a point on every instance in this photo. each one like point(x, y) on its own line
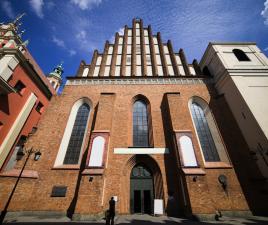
point(264, 12)
point(58, 42)
point(120, 32)
point(266, 49)
point(86, 4)
point(81, 35)
point(82, 39)
point(7, 8)
point(72, 52)
point(37, 6)
point(76, 35)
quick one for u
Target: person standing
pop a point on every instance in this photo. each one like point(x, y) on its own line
point(111, 211)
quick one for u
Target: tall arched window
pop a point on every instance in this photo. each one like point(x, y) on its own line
point(208, 146)
point(240, 55)
point(140, 124)
point(72, 141)
point(77, 136)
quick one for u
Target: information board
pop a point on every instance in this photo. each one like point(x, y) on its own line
point(158, 207)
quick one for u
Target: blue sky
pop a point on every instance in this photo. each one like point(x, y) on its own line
point(70, 30)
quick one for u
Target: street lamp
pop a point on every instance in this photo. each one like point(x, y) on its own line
point(21, 152)
point(37, 155)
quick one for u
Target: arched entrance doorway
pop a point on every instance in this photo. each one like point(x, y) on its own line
point(151, 165)
point(141, 190)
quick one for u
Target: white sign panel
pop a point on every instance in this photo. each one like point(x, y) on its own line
point(115, 198)
point(158, 207)
point(97, 152)
point(187, 151)
point(141, 151)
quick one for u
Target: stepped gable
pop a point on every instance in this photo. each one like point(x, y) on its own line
point(138, 53)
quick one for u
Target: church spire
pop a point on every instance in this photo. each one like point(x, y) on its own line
point(55, 78)
point(11, 35)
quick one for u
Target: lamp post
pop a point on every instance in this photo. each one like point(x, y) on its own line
point(20, 154)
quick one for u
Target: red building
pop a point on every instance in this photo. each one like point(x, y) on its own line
point(24, 95)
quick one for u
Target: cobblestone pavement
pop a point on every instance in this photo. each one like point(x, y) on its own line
point(138, 220)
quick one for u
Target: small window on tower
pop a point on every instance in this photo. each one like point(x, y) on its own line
point(39, 108)
point(19, 87)
point(240, 55)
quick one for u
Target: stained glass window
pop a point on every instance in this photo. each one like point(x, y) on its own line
point(207, 144)
point(77, 136)
point(140, 124)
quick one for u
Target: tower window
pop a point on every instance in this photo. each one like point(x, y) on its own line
point(19, 87)
point(240, 55)
point(39, 107)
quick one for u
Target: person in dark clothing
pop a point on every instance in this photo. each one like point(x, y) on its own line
point(111, 211)
point(107, 217)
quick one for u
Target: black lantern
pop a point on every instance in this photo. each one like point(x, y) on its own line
point(37, 155)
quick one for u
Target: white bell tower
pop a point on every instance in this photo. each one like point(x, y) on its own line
point(240, 72)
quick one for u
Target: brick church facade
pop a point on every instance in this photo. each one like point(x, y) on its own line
point(141, 124)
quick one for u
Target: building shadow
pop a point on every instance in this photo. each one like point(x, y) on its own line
point(71, 208)
point(156, 221)
point(175, 206)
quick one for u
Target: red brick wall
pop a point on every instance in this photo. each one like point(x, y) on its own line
point(114, 113)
